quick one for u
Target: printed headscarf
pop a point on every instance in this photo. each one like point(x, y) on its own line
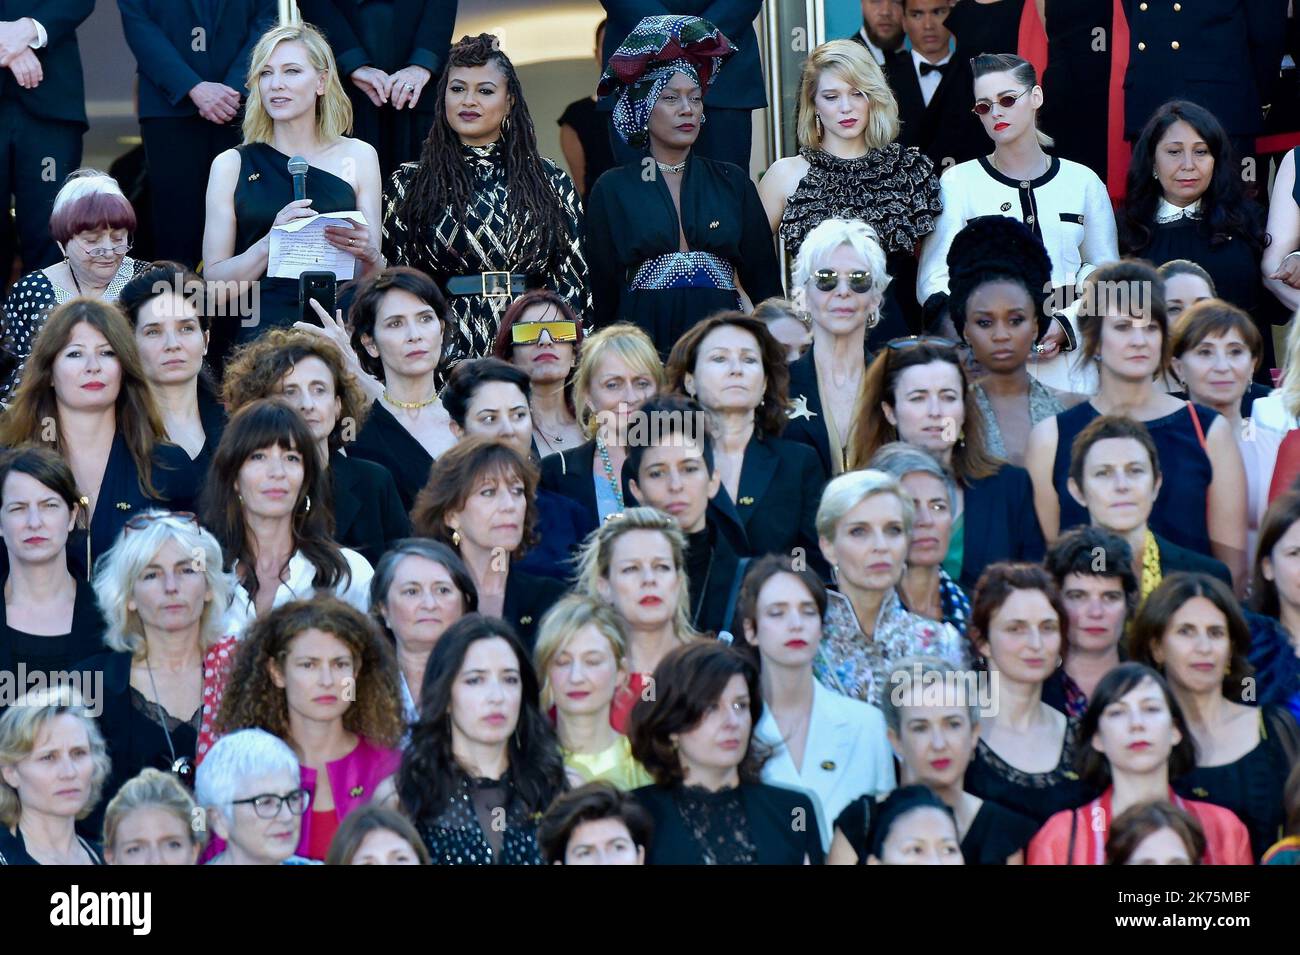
point(657, 48)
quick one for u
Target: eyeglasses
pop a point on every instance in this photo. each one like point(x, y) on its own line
point(899, 344)
point(140, 521)
point(529, 333)
point(984, 107)
point(828, 280)
point(104, 252)
point(267, 805)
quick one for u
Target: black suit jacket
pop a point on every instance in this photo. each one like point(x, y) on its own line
point(85, 639)
point(1174, 559)
point(807, 424)
point(161, 34)
point(1226, 58)
point(769, 810)
point(424, 40)
point(713, 599)
point(999, 523)
point(780, 488)
point(61, 94)
point(368, 512)
point(740, 81)
point(528, 597)
point(946, 130)
point(569, 474)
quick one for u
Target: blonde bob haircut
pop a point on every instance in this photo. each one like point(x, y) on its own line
point(569, 615)
point(627, 342)
point(849, 490)
point(826, 237)
point(851, 62)
point(333, 109)
point(152, 789)
point(598, 553)
point(117, 571)
point(21, 725)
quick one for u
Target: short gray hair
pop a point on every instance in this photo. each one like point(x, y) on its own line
point(852, 488)
point(902, 677)
point(118, 569)
point(898, 458)
point(822, 241)
point(235, 757)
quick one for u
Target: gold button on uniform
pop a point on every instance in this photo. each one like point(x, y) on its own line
point(1178, 7)
point(1142, 46)
point(1174, 45)
point(1142, 7)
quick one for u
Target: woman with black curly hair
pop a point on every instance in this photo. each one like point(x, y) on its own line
point(1185, 200)
point(482, 763)
point(318, 674)
point(671, 235)
point(851, 166)
point(482, 212)
point(998, 272)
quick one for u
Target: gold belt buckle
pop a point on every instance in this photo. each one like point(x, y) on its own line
point(498, 282)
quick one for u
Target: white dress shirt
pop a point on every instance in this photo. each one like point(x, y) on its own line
point(299, 585)
point(931, 80)
point(877, 53)
point(845, 755)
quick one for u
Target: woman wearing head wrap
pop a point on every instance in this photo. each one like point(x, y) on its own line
point(672, 235)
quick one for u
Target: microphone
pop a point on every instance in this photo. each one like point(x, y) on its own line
point(298, 170)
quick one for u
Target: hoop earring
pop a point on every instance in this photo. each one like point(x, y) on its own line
point(873, 320)
point(505, 125)
point(703, 119)
point(307, 506)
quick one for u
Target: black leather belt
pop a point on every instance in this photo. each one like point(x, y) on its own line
point(488, 284)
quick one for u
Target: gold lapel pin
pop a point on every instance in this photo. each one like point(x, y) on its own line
point(746, 500)
point(714, 224)
point(254, 177)
point(357, 791)
point(828, 765)
point(123, 506)
point(524, 621)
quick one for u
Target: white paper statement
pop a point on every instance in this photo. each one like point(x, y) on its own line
point(300, 246)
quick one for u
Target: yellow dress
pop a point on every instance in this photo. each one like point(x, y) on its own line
point(612, 765)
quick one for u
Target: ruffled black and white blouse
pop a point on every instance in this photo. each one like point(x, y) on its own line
point(893, 189)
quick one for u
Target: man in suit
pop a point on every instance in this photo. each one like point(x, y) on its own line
point(882, 28)
point(728, 131)
point(42, 115)
point(934, 91)
point(1221, 54)
point(389, 56)
point(192, 57)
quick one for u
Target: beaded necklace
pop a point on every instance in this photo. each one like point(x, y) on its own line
point(609, 472)
point(1150, 565)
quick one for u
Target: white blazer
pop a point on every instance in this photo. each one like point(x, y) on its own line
point(300, 586)
point(847, 754)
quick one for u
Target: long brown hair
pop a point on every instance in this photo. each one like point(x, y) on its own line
point(34, 406)
point(770, 416)
point(264, 423)
point(442, 180)
point(971, 459)
point(252, 700)
point(1281, 514)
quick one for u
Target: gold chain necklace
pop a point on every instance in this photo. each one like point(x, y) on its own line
point(410, 405)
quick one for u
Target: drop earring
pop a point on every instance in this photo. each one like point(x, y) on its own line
point(455, 538)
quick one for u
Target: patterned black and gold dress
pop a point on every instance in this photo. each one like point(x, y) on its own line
point(894, 190)
point(484, 239)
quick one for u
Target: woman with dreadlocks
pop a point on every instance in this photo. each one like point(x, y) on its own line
point(482, 212)
point(669, 234)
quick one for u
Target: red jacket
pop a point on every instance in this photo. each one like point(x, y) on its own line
point(1226, 840)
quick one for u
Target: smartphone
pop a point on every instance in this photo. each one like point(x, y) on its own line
point(320, 286)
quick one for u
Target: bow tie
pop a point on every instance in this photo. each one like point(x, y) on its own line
point(928, 68)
